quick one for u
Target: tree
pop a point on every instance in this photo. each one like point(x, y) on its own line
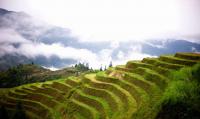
point(75, 65)
point(104, 68)
point(82, 66)
point(91, 68)
point(87, 66)
point(110, 65)
point(101, 68)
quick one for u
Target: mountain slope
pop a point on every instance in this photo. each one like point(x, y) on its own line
point(30, 73)
point(134, 90)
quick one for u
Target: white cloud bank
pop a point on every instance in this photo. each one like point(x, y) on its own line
point(135, 53)
point(109, 20)
point(9, 38)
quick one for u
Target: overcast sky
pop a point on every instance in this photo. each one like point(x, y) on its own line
point(100, 20)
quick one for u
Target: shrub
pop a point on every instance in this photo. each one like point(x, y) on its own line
point(181, 99)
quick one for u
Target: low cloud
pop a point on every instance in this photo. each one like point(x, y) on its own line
point(22, 35)
point(135, 53)
point(36, 49)
point(10, 36)
point(33, 50)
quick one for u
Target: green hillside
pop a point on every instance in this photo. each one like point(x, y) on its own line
point(166, 87)
point(31, 73)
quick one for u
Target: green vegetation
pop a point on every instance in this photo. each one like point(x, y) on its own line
point(167, 87)
point(30, 73)
point(19, 75)
point(182, 97)
point(82, 66)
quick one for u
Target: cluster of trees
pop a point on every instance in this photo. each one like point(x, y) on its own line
point(14, 76)
point(85, 67)
point(110, 65)
point(82, 66)
point(23, 74)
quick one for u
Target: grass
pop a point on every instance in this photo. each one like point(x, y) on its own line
point(150, 95)
point(155, 66)
point(41, 109)
point(125, 96)
point(114, 101)
point(176, 60)
point(98, 103)
point(154, 88)
point(163, 64)
point(122, 83)
point(152, 76)
point(108, 86)
point(189, 56)
point(85, 110)
point(182, 97)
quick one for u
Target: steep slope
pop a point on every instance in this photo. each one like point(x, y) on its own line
point(31, 73)
point(127, 91)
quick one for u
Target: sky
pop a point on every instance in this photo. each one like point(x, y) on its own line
point(117, 20)
point(96, 21)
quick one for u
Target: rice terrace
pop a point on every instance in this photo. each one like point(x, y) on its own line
point(166, 87)
point(99, 59)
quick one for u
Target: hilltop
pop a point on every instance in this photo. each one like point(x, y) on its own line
point(166, 87)
point(32, 73)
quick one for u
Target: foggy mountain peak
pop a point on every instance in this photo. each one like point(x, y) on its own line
point(27, 39)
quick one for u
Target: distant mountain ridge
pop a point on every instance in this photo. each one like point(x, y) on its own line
point(19, 31)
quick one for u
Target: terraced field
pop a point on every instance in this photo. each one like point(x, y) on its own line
point(131, 91)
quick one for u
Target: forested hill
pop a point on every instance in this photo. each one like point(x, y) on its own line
point(31, 73)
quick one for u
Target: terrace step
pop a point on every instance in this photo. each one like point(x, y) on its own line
point(78, 116)
point(152, 76)
point(176, 60)
point(64, 88)
point(150, 92)
point(37, 108)
point(124, 95)
point(114, 101)
point(120, 68)
point(135, 64)
point(139, 81)
point(30, 111)
point(188, 56)
point(36, 96)
point(163, 64)
point(144, 99)
point(84, 110)
point(122, 92)
point(113, 78)
point(148, 74)
point(98, 103)
point(72, 82)
point(55, 94)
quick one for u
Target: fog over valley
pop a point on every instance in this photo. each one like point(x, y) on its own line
point(62, 38)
